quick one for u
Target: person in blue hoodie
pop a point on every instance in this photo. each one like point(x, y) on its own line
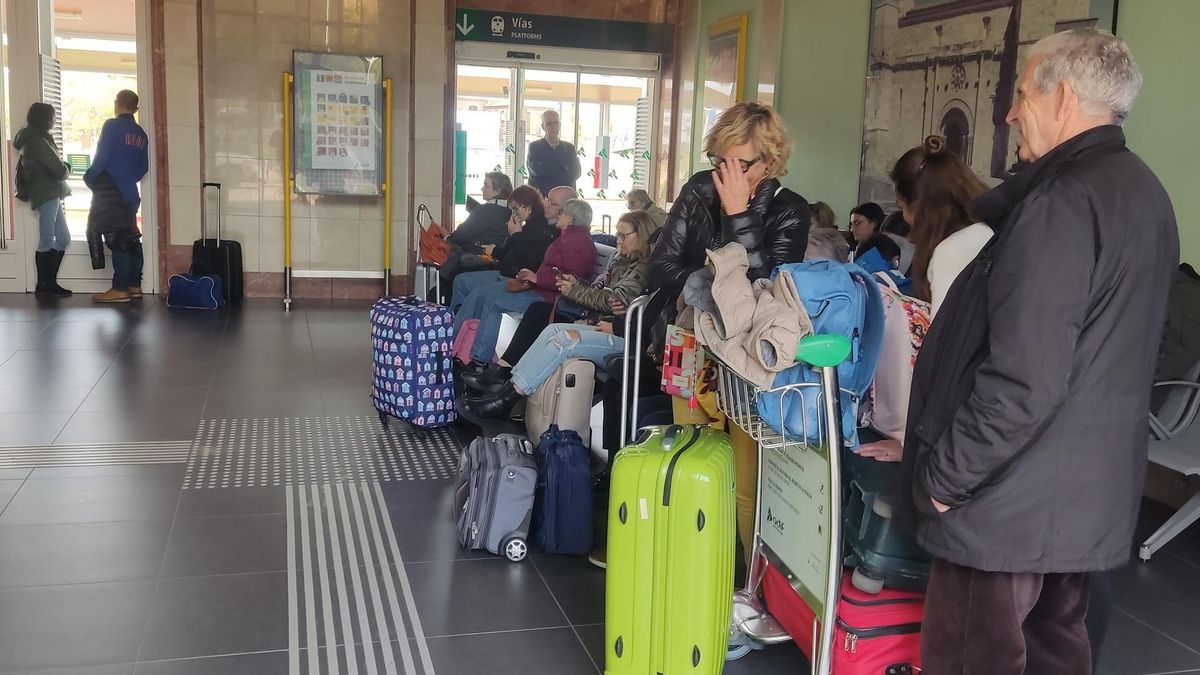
point(121, 160)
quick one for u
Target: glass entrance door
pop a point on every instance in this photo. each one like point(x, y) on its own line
point(607, 117)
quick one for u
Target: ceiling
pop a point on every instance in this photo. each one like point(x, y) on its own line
point(99, 18)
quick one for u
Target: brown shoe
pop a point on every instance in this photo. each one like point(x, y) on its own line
point(111, 296)
point(135, 292)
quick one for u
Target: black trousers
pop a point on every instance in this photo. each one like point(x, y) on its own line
point(533, 322)
point(649, 386)
point(997, 623)
point(1098, 612)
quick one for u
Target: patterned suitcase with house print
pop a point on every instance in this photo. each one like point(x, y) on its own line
point(412, 377)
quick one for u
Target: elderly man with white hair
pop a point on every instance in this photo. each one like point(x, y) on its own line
point(551, 161)
point(1027, 427)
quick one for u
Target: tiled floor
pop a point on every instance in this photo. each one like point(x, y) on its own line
point(111, 568)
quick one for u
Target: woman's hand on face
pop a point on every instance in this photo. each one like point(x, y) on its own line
point(515, 223)
point(883, 451)
point(732, 186)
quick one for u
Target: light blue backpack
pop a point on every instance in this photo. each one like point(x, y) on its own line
point(841, 299)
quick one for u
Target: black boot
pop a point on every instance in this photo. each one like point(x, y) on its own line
point(41, 259)
point(55, 262)
point(490, 380)
point(497, 406)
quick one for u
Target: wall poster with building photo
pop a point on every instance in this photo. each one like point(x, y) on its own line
point(724, 67)
point(950, 67)
point(339, 122)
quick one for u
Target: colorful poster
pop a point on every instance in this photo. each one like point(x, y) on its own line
point(343, 105)
point(338, 124)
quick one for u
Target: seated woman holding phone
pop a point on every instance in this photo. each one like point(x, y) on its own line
point(529, 235)
point(594, 337)
point(573, 253)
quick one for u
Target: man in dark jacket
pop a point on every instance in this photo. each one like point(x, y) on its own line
point(551, 161)
point(122, 159)
point(1028, 432)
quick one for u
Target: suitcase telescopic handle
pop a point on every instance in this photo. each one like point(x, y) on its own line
point(204, 211)
point(633, 339)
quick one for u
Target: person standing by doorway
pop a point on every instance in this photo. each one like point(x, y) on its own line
point(552, 162)
point(122, 159)
point(45, 186)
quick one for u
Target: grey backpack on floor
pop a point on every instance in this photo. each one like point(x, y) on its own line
point(493, 497)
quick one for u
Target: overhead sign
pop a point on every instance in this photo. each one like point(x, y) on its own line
point(480, 25)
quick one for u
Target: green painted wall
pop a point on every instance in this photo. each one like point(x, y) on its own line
point(823, 65)
point(712, 11)
point(1163, 126)
point(821, 96)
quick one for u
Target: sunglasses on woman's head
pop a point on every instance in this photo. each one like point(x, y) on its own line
point(718, 160)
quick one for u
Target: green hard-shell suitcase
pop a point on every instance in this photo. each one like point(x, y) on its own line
point(670, 553)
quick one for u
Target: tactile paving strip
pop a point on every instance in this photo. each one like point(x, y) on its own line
point(315, 450)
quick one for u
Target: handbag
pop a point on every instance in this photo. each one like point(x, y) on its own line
point(682, 363)
point(906, 322)
point(186, 291)
point(432, 248)
point(464, 339)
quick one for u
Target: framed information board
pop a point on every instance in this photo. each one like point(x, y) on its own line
point(338, 124)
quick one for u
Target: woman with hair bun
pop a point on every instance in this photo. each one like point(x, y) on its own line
point(934, 189)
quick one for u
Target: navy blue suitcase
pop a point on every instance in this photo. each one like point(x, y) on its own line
point(562, 508)
point(412, 376)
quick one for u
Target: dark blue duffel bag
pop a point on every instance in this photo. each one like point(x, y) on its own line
point(562, 507)
point(186, 291)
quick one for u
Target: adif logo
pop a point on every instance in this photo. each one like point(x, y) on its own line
point(497, 25)
point(777, 523)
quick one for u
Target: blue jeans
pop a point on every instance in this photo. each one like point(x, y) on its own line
point(557, 343)
point(127, 267)
point(52, 227)
point(468, 282)
point(489, 304)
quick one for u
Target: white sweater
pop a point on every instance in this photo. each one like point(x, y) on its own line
point(951, 257)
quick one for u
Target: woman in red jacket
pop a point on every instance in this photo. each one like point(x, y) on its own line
point(572, 253)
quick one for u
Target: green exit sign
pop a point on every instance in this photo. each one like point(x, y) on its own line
point(480, 25)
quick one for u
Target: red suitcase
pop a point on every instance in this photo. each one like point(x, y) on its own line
point(876, 634)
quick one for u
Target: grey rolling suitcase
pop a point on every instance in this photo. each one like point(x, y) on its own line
point(493, 498)
point(565, 399)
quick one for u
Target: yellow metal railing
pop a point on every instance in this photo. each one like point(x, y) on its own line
point(387, 187)
point(287, 191)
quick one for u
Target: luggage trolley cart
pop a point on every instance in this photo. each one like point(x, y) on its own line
point(798, 500)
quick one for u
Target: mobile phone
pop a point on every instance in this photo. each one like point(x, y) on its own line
point(557, 273)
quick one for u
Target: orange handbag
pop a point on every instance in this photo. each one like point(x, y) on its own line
point(432, 248)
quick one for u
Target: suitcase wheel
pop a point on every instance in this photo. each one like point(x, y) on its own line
point(514, 549)
point(739, 646)
point(866, 583)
